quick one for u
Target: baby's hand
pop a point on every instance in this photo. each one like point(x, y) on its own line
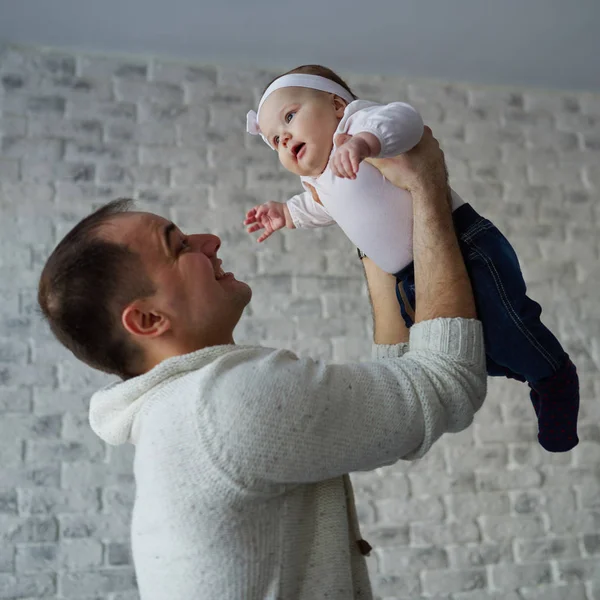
point(350, 152)
point(269, 216)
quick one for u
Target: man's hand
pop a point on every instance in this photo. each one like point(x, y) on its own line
point(351, 151)
point(269, 216)
point(421, 168)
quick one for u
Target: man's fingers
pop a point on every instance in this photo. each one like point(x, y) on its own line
point(348, 166)
point(354, 162)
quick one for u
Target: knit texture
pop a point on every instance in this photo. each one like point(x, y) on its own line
point(242, 452)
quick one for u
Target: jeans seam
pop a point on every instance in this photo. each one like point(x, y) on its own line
point(475, 229)
point(511, 311)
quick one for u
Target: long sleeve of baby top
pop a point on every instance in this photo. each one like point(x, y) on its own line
point(305, 212)
point(397, 126)
point(241, 455)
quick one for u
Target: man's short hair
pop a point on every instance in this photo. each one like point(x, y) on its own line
point(84, 287)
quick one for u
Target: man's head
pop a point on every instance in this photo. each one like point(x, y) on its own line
point(299, 122)
point(125, 290)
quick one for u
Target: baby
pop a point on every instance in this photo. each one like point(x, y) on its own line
point(322, 133)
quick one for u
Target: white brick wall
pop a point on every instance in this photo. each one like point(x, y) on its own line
point(487, 515)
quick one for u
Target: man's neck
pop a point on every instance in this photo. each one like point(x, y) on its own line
point(170, 349)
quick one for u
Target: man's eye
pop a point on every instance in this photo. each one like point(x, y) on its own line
point(184, 245)
point(289, 116)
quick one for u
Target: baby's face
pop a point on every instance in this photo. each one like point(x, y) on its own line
point(299, 123)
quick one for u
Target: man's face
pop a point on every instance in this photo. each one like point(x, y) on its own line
point(300, 123)
point(202, 305)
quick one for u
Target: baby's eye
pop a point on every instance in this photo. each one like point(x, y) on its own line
point(276, 140)
point(289, 116)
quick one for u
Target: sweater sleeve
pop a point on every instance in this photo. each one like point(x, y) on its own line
point(305, 212)
point(283, 419)
point(397, 126)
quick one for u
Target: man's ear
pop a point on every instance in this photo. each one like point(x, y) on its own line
point(142, 321)
point(339, 105)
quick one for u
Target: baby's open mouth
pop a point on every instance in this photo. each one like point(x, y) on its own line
point(297, 148)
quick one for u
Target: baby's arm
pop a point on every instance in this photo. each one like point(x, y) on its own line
point(376, 131)
point(269, 216)
point(299, 211)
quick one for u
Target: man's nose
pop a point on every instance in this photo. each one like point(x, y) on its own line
point(207, 243)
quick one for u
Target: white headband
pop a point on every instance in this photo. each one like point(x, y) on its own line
point(315, 82)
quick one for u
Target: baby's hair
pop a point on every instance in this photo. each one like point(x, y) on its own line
point(317, 70)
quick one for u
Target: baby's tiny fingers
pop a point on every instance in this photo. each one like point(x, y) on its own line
point(263, 237)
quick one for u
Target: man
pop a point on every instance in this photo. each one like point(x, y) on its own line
point(243, 453)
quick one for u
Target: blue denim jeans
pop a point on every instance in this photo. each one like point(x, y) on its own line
point(518, 345)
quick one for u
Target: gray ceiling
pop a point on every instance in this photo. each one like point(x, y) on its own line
point(548, 43)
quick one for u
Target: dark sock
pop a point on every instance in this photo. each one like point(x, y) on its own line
point(556, 403)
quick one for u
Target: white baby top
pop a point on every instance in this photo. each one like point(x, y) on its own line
point(376, 215)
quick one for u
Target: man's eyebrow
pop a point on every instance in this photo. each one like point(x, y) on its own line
point(167, 231)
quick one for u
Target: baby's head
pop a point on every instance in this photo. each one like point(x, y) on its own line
point(298, 120)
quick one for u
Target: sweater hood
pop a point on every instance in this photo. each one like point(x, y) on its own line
point(114, 410)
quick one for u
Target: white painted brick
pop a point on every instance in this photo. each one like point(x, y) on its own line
point(101, 152)
point(454, 532)
point(506, 526)
point(12, 125)
point(436, 482)
point(440, 582)
point(145, 175)
point(100, 581)
point(479, 555)
point(177, 72)
point(573, 591)
point(578, 569)
point(102, 67)
point(477, 595)
point(141, 133)
point(128, 90)
point(9, 171)
point(403, 512)
point(171, 156)
point(108, 110)
point(398, 560)
point(510, 577)
point(16, 399)
point(546, 549)
point(40, 150)
point(464, 505)
point(11, 454)
point(391, 586)
point(49, 501)
point(23, 586)
point(506, 480)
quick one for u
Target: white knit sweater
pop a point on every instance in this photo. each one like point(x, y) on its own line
point(242, 454)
